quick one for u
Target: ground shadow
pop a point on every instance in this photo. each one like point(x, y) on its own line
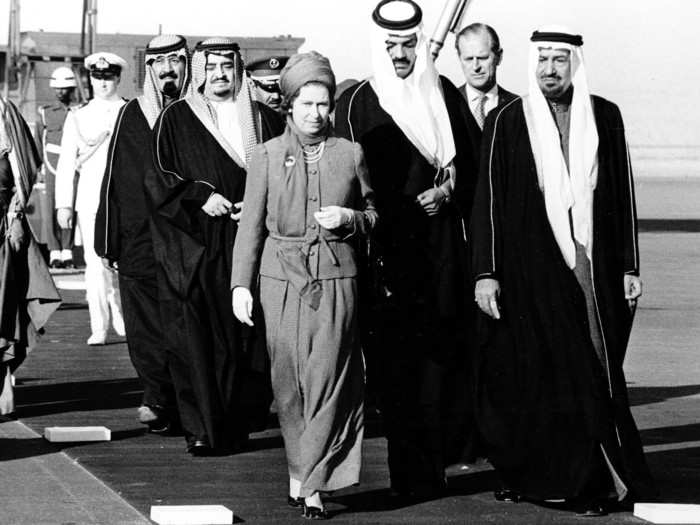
point(669, 435)
point(380, 500)
point(644, 395)
point(669, 225)
point(20, 448)
point(42, 399)
point(677, 474)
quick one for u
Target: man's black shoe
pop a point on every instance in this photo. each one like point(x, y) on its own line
point(507, 496)
point(199, 447)
point(57, 264)
point(297, 503)
point(593, 509)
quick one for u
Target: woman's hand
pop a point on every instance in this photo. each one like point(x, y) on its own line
point(243, 305)
point(331, 217)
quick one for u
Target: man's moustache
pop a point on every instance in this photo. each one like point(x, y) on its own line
point(169, 74)
point(401, 61)
point(224, 78)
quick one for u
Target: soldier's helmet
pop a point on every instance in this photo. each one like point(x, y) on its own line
point(62, 77)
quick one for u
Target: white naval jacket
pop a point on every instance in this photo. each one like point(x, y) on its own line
point(87, 128)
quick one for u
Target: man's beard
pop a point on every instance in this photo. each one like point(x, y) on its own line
point(170, 89)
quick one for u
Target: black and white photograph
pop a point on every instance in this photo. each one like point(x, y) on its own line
point(361, 261)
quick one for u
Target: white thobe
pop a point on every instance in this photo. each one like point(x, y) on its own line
point(229, 124)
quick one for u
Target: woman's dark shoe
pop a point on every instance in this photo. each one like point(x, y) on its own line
point(507, 495)
point(314, 513)
point(297, 503)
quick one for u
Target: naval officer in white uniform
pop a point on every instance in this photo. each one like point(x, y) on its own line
point(84, 145)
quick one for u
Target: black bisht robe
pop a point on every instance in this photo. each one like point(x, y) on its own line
point(122, 225)
point(195, 252)
point(546, 404)
point(123, 234)
point(415, 340)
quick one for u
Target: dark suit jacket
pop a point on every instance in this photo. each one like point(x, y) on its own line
point(282, 195)
point(504, 96)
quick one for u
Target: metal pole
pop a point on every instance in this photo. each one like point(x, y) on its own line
point(450, 19)
point(93, 25)
point(82, 27)
point(12, 45)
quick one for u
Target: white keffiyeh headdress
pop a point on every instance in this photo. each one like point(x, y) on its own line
point(151, 101)
point(247, 109)
point(564, 189)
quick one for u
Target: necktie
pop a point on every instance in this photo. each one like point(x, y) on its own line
point(480, 114)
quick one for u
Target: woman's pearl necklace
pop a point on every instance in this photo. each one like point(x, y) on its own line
point(314, 153)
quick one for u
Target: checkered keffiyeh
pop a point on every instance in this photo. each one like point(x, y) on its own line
point(152, 98)
point(248, 111)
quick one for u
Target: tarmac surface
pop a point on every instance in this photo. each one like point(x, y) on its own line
point(67, 383)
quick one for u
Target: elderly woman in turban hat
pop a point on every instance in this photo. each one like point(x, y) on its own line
point(307, 197)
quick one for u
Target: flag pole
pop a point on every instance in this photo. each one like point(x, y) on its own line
point(450, 20)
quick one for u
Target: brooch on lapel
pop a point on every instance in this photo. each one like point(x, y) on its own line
point(290, 161)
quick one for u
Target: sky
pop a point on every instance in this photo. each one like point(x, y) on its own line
point(639, 53)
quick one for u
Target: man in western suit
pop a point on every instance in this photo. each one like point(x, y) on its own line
point(480, 54)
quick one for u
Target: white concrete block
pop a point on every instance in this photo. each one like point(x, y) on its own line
point(191, 515)
point(668, 513)
point(64, 434)
point(65, 284)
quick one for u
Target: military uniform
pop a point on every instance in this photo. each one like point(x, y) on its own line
point(43, 218)
point(265, 74)
point(84, 145)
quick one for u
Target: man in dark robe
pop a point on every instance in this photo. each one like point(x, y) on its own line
point(202, 148)
point(412, 126)
point(123, 229)
point(28, 295)
point(554, 238)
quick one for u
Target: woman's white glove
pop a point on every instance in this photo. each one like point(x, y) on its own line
point(331, 217)
point(243, 305)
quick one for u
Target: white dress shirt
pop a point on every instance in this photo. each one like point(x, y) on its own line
point(228, 122)
point(474, 95)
